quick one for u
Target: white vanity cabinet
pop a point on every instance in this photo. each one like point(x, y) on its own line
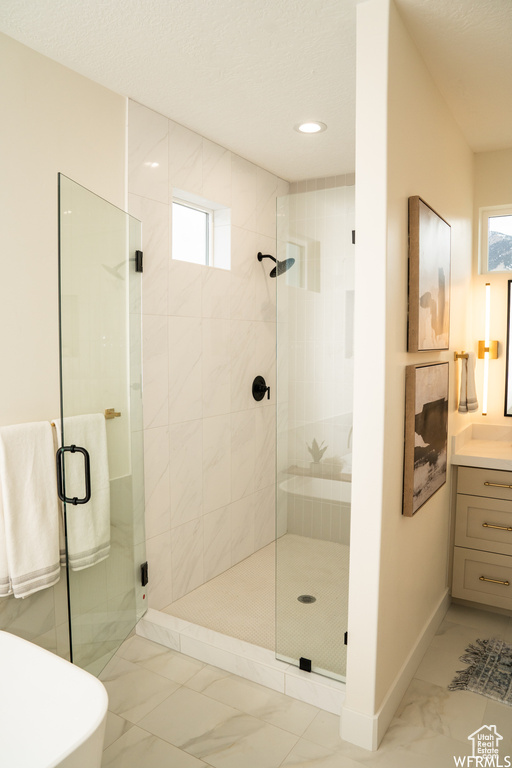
point(482, 564)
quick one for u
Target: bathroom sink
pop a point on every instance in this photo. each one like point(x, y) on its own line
point(51, 712)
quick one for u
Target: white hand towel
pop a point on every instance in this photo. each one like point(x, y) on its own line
point(88, 525)
point(468, 400)
point(30, 507)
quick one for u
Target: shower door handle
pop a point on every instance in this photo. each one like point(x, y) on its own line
point(60, 474)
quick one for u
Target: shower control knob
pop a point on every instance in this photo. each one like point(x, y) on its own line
point(259, 387)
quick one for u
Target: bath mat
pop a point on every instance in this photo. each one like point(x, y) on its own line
point(490, 670)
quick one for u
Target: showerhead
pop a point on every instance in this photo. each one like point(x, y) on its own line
point(280, 266)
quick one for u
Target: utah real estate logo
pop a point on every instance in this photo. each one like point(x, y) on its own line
point(486, 750)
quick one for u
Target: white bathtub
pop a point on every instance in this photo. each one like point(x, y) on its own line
point(315, 507)
point(318, 488)
point(52, 714)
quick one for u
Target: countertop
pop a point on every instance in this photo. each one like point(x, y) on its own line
point(486, 446)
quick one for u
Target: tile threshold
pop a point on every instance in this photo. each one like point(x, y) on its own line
point(243, 659)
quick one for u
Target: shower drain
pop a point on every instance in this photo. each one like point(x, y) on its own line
point(306, 599)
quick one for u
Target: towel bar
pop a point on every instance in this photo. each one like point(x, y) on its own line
point(460, 355)
point(109, 413)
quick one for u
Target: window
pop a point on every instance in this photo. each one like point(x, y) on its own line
point(201, 231)
point(190, 233)
point(496, 239)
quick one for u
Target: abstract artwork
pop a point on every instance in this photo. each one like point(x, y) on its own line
point(429, 278)
point(426, 433)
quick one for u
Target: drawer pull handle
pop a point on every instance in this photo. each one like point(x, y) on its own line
point(495, 581)
point(497, 485)
point(497, 527)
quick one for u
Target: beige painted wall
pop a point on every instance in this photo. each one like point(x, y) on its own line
point(493, 186)
point(52, 120)
point(425, 154)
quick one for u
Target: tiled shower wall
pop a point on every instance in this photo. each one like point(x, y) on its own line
point(209, 447)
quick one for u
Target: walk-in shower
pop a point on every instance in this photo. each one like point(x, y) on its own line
point(290, 596)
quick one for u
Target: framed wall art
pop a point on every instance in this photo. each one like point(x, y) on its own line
point(429, 278)
point(426, 433)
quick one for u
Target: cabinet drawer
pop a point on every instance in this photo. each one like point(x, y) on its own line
point(494, 483)
point(483, 523)
point(482, 577)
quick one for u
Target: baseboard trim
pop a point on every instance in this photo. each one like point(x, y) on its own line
point(367, 731)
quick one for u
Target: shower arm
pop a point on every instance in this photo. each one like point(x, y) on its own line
point(262, 256)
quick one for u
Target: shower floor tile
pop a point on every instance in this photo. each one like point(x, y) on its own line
point(241, 602)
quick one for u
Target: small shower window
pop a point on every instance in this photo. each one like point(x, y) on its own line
point(201, 231)
point(191, 233)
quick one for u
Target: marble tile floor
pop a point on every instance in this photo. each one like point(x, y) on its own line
point(167, 710)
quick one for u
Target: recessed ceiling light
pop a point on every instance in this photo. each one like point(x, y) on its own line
point(311, 127)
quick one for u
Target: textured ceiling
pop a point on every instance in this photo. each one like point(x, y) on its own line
point(244, 72)
point(240, 72)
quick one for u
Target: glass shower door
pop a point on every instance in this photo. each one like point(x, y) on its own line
point(314, 434)
point(101, 414)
